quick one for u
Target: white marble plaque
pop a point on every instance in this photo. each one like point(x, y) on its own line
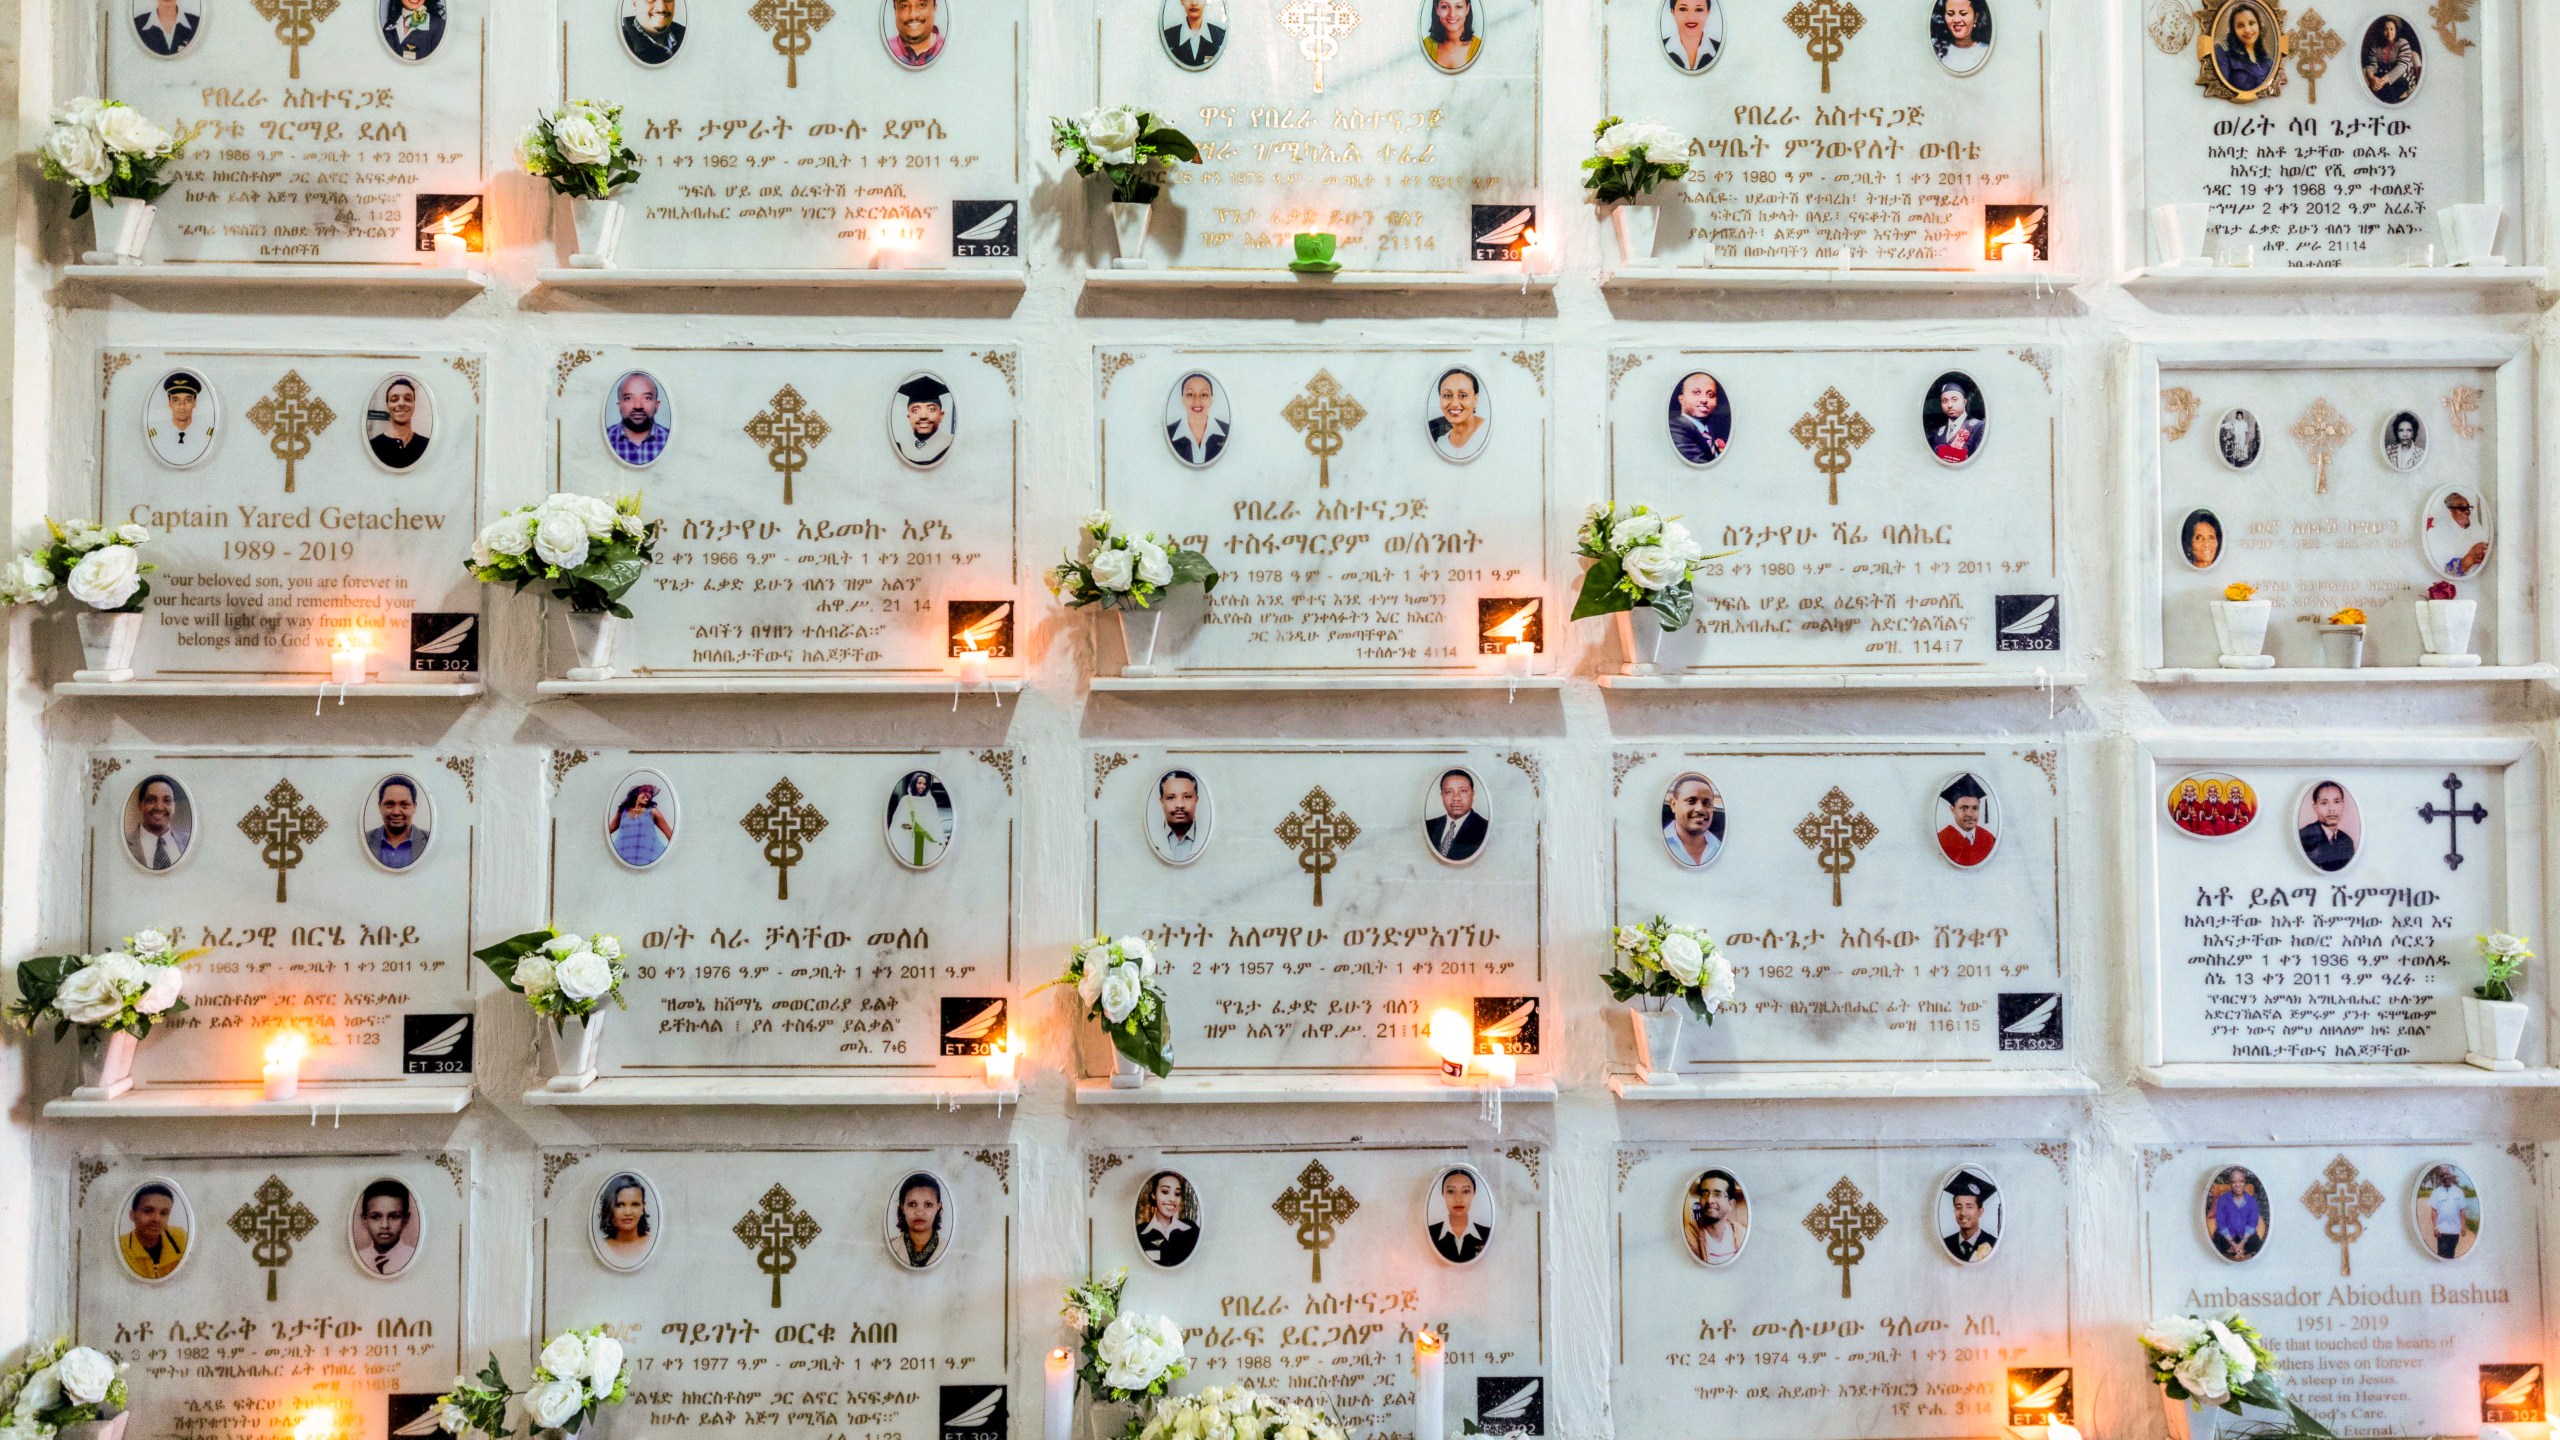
point(1364, 507)
point(326, 904)
point(796, 137)
point(332, 133)
point(244, 1294)
point(1892, 149)
point(824, 508)
point(1306, 1272)
point(1321, 904)
point(761, 1288)
point(805, 913)
point(2388, 1280)
point(1928, 544)
point(1817, 1293)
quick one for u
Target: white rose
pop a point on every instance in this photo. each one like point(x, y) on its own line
point(566, 1357)
point(2173, 1333)
point(564, 945)
point(149, 942)
point(24, 1427)
point(1089, 984)
point(2237, 1357)
point(1657, 140)
point(1120, 993)
point(1677, 539)
point(128, 131)
point(1716, 985)
point(1112, 133)
point(106, 579)
point(533, 974)
point(89, 997)
point(2205, 1376)
point(1153, 567)
point(608, 947)
point(1112, 569)
point(1095, 520)
point(76, 149)
point(1653, 567)
point(1637, 529)
point(42, 1392)
point(161, 990)
point(581, 140)
point(599, 516)
point(29, 579)
point(553, 1402)
point(85, 1374)
point(1682, 957)
point(1136, 1351)
point(529, 152)
point(560, 538)
point(509, 534)
point(2499, 942)
point(122, 970)
point(604, 1364)
point(133, 535)
point(584, 976)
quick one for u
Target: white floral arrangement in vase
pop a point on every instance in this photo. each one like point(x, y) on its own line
point(476, 1405)
point(588, 549)
point(1129, 572)
point(62, 1387)
point(1117, 981)
point(566, 980)
point(1654, 964)
point(112, 999)
point(104, 571)
point(1236, 1412)
point(580, 1373)
point(1125, 1359)
point(1130, 149)
point(2217, 1363)
point(2493, 1015)
point(579, 151)
point(1640, 560)
point(1629, 160)
point(118, 161)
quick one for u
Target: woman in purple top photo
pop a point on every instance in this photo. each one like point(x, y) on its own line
point(2238, 1211)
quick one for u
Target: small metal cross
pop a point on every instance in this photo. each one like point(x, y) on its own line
point(1844, 1222)
point(788, 432)
point(777, 1229)
point(2453, 815)
point(1316, 1205)
point(1826, 26)
point(2319, 432)
point(1324, 413)
point(282, 825)
point(271, 1223)
point(795, 25)
point(297, 24)
point(1319, 26)
point(291, 417)
point(785, 821)
point(1831, 430)
point(1317, 829)
point(1835, 832)
point(2343, 1199)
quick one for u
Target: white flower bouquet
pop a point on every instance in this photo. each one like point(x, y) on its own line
point(2218, 1363)
point(1116, 980)
point(55, 1386)
point(1235, 1412)
point(1659, 958)
point(108, 150)
point(580, 1373)
point(120, 991)
point(1639, 560)
point(1123, 144)
point(1127, 1358)
point(2502, 958)
point(1630, 157)
point(563, 977)
point(579, 149)
point(102, 568)
point(591, 550)
point(476, 1405)
point(1119, 570)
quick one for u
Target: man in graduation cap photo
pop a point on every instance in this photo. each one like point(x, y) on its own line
point(1966, 841)
point(924, 436)
point(1970, 1192)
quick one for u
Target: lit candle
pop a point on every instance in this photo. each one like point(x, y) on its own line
point(1000, 1063)
point(973, 667)
point(1502, 1066)
point(284, 1073)
point(1517, 657)
point(1451, 1039)
point(2018, 254)
point(317, 1423)
point(452, 250)
point(347, 661)
point(1429, 1359)
point(1058, 1401)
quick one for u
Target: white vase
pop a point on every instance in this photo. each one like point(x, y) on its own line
point(2240, 629)
point(596, 635)
point(106, 1068)
point(1640, 635)
point(111, 1428)
point(2342, 646)
point(106, 644)
point(568, 1051)
point(1126, 1074)
point(599, 227)
point(2192, 1422)
point(2493, 1030)
point(2470, 233)
point(1138, 637)
point(2444, 631)
point(1129, 233)
point(1638, 221)
point(122, 228)
point(1657, 1023)
point(2179, 231)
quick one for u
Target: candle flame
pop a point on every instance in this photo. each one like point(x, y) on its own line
point(1529, 238)
point(986, 629)
point(1452, 1038)
point(1517, 626)
point(317, 1423)
point(1425, 1341)
point(288, 1048)
point(354, 641)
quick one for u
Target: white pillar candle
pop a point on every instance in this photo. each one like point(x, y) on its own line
point(1430, 1358)
point(1058, 1401)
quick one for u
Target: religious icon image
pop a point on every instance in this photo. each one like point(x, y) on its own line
point(412, 28)
point(642, 824)
point(1693, 821)
point(1168, 1219)
point(1452, 35)
point(1715, 1218)
point(399, 818)
point(168, 28)
point(159, 823)
point(1966, 825)
point(1179, 817)
point(157, 1227)
point(2210, 805)
point(385, 1228)
point(2330, 826)
point(1196, 420)
point(1458, 424)
point(1459, 1215)
point(2404, 441)
point(398, 422)
point(1954, 418)
point(918, 824)
point(2394, 63)
point(1194, 31)
point(629, 1218)
point(179, 418)
point(2237, 439)
point(1455, 825)
point(2200, 540)
point(1693, 34)
point(1969, 1215)
point(2236, 1214)
point(914, 31)
point(1701, 419)
point(639, 420)
point(2456, 532)
point(652, 31)
point(2245, 46)
point(919, 1221)
point(1960, 34)
point(2445, 1207)
point(922, 420)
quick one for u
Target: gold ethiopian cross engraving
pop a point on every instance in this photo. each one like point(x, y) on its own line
point(2314, 46)
point(271, 1223)
point(1319, 26)
point(788, 431)
point(1844, 1222)
point(297, 24)
point(282, 825)
point(785, 821)
point(2320, 432)
point(1835, 832)
point(1316, 830)
point(1316, 1205)
point(777, 1229)
point(1826, 27)
point(2344, 1200)
point(1831, 430)
point(1324, 413)
point(291, 417)
point(794, 24)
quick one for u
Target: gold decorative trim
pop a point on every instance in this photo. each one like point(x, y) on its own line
point(1844, 1221)
point(1112, 364)
point(1621, 763)
point(292, 419)
point(280, 826)
point(1833, 432)
point(1315, 1207)
point(2319, 432)
point(1529, 1157)
point(2172, 27)
point(567, 365)
point(1098, 1163)
point(2040, 360)
point(452, 1165)
point(2152, 1160)
point(2342, 1200)
point(556, 1163)
point(100, 767)
point(2450, 16)
point(465, 766)
point(1001, 1162)
point(2057, 1151)
point(1835, 831)
point(2209, 75)
point(2180, 404)
point(1826, 27)
point(787, 430)
point(2048, 761)
point(470, 368)
point(1325, 413)
point(794, 25)
point(564, 761)
point(1005, 363)
point(92, 1170)
point(1535, 362)
point(1001, 762)
point(784, 822)
point(111, 365)
point(297, 24)
point(1103, 766)
point(1628, 1159)
point(2462, 410)
point(1620, 367)
point(1529, 765)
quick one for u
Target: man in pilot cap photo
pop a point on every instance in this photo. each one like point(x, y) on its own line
point(922, 432)
point(1971, 1193)
point(1966, 841)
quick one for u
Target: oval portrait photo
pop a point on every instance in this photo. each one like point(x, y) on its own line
point(1452, 36)
point(2404, 441)
point(641, 827)
point(1179, 817)
point(1458, 423)
point(1196, 420)
point(159, 823)
point(1960, 34)
point(2330, 826)
point(1967, 829)
point(2210, 805)
point(922, 420)
point(628, 1220)
point(638, 420)
point(155, 1229)
point(2246, 47)
point(2200, 539)
point(385, 1228)
point(913, 31)
point(2237, 438)
point(2236, 1213)
point(179, 417)
point(168, 28)
point(652, 31)
point(918, 825)
point(399, 418)
point(399, 817)
point(1194, 31)
point(2446, 1210)
point(1701, 419)
point(1693, 821)
point(1455, 825)
point(1969, 1218)
point(919, 1232)
point(1953, 418)
point(1168, 1219)
point(1693, 34)
point(2392, 60)
point(412, 28)
point(2456, 532)
point(1459, 1214)
point(1715, 1218)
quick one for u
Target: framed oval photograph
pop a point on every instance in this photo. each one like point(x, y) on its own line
point(1197, 421)
point(2210, 805)
point(919, 821)
point(159, 823)
point(399, 819)
point(1970, 1215)
point(181, 418)
point(1960, 35)
point(2238, 438)
point(2403, 437)
point(156, 1229)
point(1180, 817)
point(1458, 1214)
point(2392, 60)
point(1194, 32)
point(2236, 1213)
point(399, 421)
point(914, 31)
point(2445, 1206)
point(1715, 1218)
point(640, 828)
point(1459, 426)
point(919, 1221)
point(1454, 824)
point(1693, 34)
point(628, 1219)
point(1693, 821)
point(412, 29)
point(1954, 419)
point(639, 419)
point(1701, 419)
point(923, 420)
point(2248, 49)
point(2455, 531)
point(2329, 826)
point(2200, 539)
point(1964, 818)
point(1452, 33)
point(652, 31)
point(385, 1228)
point(168, 29)
point(1168, 1219)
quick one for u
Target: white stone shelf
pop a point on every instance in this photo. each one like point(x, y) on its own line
point(272, 689)
point(1308, 1088)
point(164, 274)
point(2278, 1076)
point(645, 1091)
point(917, 278)
point(248, 1102)
point(2372, 675)
point(1684, 279)
point(1305, 681)
point(1771, 1084)
point(1847, 680)
point(1163, 278)
point(2342, 280)
point(633, 686)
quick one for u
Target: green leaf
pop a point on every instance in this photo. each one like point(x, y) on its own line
point(501, 959)
point(1675, 605)
point(1600, 592)
point(1172, 142)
